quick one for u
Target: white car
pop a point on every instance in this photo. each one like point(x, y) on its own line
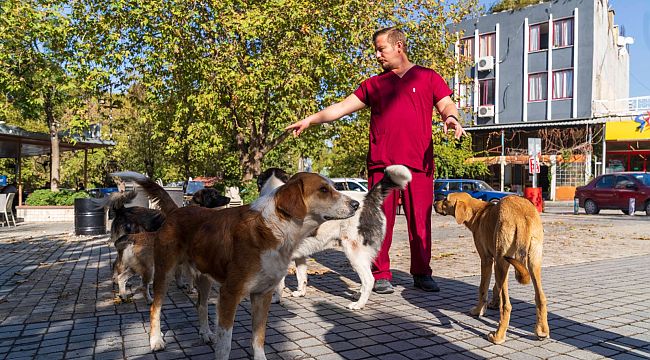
point(351, 184)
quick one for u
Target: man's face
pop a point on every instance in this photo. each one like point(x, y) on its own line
point(388, 55)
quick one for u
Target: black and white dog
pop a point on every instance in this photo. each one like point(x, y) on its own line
point(360, 236)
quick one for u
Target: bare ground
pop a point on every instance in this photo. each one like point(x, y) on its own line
point(568, 239)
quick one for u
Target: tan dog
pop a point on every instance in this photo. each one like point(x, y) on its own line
point(246, 249)
point(509, 232)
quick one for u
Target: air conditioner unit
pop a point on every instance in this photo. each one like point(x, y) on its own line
point(486, 111)
point(485, 63)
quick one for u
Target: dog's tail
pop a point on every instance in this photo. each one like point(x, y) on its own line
point(153, 190)
point(117, 200)
point(521, 273)
point(395, 177)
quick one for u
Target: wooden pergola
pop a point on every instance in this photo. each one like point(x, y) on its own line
point(17, 143)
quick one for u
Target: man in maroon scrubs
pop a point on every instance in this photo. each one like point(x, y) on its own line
point(401, 101)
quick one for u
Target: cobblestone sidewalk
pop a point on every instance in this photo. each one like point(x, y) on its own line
point(57, 301)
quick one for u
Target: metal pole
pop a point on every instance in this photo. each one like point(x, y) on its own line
point(86, 168)
point(604, 166)
point(19, 171)
point(502, 159)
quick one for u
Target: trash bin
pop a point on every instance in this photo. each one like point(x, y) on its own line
point(535, 197)
point(89, 218)
point(176, 193)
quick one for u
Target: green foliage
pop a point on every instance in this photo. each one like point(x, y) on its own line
point(48, 197)
point(248, 191)
point(451, 157)
point(204, 88)
point(505, 5)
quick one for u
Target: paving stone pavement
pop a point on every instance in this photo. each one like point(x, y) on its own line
point(57, 301)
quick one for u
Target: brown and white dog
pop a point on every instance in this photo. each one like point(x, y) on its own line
point(507, 233)
point(246, 249)
point(360, 236)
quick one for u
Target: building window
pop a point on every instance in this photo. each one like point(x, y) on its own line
point(486, 92)
point(467, 48)
point(563, 84)
point(538, 37)
point(537, 87)
point(563, 33)
point(466, 96)
point(486, 45)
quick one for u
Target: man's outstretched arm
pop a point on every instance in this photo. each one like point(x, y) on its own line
point(333, 112)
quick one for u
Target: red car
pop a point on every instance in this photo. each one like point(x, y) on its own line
point(614, 191)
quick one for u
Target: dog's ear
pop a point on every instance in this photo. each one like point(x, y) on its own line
point(289, 200)
point(462, 212)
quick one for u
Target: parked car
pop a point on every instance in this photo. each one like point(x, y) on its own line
point(351, 184)
point(101, 192)
point(476, 188)
point(614, 191)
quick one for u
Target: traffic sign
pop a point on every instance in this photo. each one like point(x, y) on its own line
point(533, 165)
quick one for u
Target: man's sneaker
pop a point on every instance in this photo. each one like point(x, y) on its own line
point(425, 282)
point(383, 286)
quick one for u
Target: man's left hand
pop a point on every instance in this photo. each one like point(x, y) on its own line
point(450, 122)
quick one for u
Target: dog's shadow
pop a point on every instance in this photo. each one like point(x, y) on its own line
point(448, 309)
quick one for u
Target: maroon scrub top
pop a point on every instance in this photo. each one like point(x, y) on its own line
point(401, 115)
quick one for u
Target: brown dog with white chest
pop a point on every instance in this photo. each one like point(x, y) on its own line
point(509, 232)
point(246, 249)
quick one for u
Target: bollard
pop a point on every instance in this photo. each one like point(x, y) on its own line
point(631, 207)
point(576, 206)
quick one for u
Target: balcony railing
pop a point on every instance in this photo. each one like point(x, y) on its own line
point(621, 107)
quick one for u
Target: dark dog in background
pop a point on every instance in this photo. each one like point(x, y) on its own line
point(209, 198)
point(270, 179)
point(134, 253)
point(130, 220)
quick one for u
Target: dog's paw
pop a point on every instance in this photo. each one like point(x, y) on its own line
point(355, 305)
point(207, 336)
point(157, 343)
point(541, 333)
point(299, 293)
point(477, 311)
point(493, 338)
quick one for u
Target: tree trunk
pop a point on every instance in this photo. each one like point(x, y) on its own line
point(252, 165)
point(55, 158)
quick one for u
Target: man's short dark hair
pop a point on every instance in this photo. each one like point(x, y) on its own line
point(394, 34)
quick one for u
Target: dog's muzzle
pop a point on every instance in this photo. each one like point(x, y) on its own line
point(353, 206)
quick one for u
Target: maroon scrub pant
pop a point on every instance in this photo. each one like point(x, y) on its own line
point(417, 202)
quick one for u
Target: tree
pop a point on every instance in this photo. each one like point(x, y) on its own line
point(225, 77)
point(505, 5)
point(38, 64)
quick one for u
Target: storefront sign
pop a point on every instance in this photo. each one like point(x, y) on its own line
point(637, 129)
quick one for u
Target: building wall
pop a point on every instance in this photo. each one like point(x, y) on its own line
point(511, 54)
point(610, 61)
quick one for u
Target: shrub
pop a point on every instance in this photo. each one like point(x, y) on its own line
point(48, 197)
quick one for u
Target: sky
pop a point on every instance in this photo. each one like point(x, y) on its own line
point(634, 16)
